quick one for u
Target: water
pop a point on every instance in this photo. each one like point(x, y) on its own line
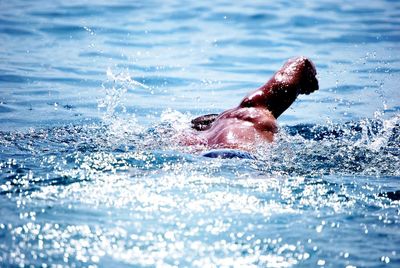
point(93, 92)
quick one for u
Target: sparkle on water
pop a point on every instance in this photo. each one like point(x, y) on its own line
point(91, 173)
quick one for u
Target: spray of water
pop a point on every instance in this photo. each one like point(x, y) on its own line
point(119, 125)
point(368, 147)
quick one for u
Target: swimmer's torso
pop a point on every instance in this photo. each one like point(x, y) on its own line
point(239, 128)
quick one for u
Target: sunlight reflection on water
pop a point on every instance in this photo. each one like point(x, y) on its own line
point(92, 94)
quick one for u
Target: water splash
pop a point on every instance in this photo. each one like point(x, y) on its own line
point(377, 137)
point(369, 147)
point(116, 87)
point(120, 125)
point(178, 121)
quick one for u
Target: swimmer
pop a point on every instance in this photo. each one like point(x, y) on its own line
point(254, 120)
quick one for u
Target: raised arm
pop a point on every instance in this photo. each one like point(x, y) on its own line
point(297, 76)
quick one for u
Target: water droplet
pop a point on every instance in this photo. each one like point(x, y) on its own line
point(385, 259)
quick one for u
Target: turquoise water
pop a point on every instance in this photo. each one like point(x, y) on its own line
point(92, 94)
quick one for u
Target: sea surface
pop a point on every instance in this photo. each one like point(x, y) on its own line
point(92, 94)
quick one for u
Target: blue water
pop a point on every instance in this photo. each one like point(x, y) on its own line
point(93, 92)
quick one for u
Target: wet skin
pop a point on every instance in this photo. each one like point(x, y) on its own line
point(254, 120)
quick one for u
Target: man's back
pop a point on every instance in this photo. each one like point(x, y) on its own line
point(241, 128)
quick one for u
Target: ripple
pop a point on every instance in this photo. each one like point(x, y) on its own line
point(112, 187)
point(16, 31)
point(309, 21)
point(4, 108)
point(63, 29)
point(12, 78)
